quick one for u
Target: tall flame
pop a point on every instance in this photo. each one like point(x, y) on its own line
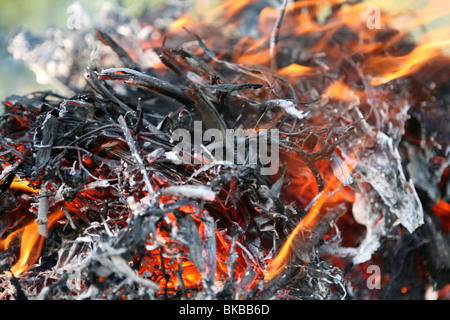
point(31, 243)
point(308, 224)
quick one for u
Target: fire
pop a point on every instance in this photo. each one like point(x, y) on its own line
point(23, 186)
point(402, 66)
point(170, 274)
point(180, 23)
point(341, 91)
point(31, 243)
point(442, 210)
point(295, 70)
point(303, 231)
point(165, 259)
point(232, 8)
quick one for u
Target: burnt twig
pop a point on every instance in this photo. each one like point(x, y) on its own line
point(138, 159)
point(275, 34)
point(207, 110)
point(123, 55)
point(142, 80)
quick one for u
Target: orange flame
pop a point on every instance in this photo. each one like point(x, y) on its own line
point(31, 243)
point(180, 23)
point(442, 210)
point(307, 225)
point(234, 7)
point(396, 67)
point(340, 90)
point(295, 70)
point(23, 186)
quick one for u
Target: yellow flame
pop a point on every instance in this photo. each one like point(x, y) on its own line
point(396, 67)
point(23, 185)
point(180, 23)
point(31, 243)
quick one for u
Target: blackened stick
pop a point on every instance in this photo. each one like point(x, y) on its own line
point(146, 81)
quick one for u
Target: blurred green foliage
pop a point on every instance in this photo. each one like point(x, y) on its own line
point(39, 14)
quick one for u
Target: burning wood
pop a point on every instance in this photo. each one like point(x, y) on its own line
point(313, 160)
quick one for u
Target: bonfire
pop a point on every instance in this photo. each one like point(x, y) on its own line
point(291, 151)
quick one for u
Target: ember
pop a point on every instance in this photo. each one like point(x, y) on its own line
point(318, 167)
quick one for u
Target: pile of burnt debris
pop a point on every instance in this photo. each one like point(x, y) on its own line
point(117, 186)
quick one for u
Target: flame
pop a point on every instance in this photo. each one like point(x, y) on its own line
point(295, 70)
point(442, 210)
point(233, 8)
point(402, 66)
point(179, 24)
point(308, 224)
point(170, 273)
point(31, 243)
point(381, 67)
point(23, 186)
point(203, 14)
point(341, 91)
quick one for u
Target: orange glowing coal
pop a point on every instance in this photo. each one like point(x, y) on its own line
point(442, 210)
